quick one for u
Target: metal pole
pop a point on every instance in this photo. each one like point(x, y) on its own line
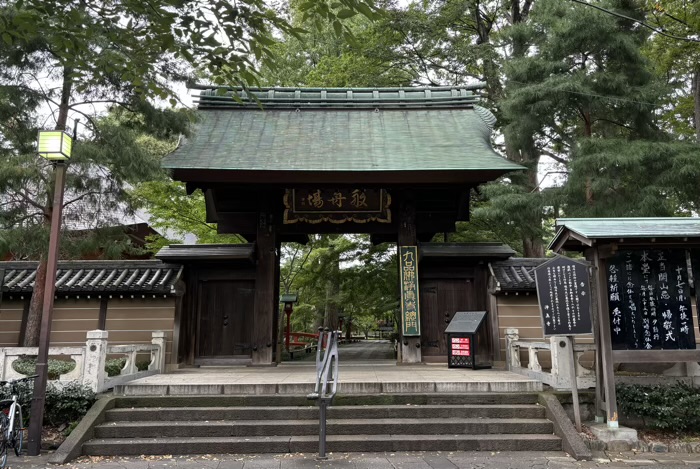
point(322, 430)
point(574, 382)
point(36, 418)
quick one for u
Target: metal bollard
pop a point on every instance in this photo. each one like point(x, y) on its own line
point(322, 430)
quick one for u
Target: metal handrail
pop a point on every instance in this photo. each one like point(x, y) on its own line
point(326, 380)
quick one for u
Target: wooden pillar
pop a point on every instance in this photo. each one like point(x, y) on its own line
point(605, 343)
point(410, 351)
point(277, 348)
point(102, 319)
point(177, 353)
point(265, 287)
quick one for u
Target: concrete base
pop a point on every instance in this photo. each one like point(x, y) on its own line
point(615, 439)
point(293, 379)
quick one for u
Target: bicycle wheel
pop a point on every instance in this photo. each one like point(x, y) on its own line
point(4, 425)
point(17, 432)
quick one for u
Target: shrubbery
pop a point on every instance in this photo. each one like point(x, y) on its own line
point(65, 403)
point(114, 366)
point(669, 407)
point(27, 365)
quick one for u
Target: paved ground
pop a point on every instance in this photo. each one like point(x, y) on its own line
point(362, 351)
point(451, 460)
point(366, 350)
point(360, 371)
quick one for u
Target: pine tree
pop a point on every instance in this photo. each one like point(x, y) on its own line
point(590, 98)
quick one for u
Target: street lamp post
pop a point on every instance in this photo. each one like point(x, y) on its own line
point(56, 146)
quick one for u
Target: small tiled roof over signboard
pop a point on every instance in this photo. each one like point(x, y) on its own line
point(514, 274)
point(579, 233)
point(95, 277)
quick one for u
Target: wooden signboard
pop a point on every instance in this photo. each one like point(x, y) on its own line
point(336, 205)
point(649, 300)
point(564, 294)
point(408, 269)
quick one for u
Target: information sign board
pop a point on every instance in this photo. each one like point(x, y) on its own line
point(564, 294)
point(649, 300)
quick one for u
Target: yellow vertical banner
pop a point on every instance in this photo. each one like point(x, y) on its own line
point(410, 310)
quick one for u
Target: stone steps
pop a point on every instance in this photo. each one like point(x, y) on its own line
point(241, 428)
point(363, 423)
point(309, 444)
point(525, 411)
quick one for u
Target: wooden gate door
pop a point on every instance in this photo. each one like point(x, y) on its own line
point(224, 331)
point(440, 300)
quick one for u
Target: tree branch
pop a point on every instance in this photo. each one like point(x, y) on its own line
point(639, 22)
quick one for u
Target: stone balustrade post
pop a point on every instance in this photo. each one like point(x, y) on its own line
point(3, 358)
point(512, 350)
point(158, 356)
point(561, 362)
point(533, 362)
point(95, 357)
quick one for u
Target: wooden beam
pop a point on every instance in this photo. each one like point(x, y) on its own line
point(265, 288)
point(605, 345)
point(468, 177)
point(599, 400)
point(237, 222)
point(655, 356)
point(102, 319)
point(2, 281)
point(23, 325)
point(493, 316)
point(210, 206)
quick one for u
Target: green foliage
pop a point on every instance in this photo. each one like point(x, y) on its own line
point(67, 403)
point(339, 275)
point(114, 366)
point(150, 42)
point(613, 177)
point(668, 407)
point(27, 366)
point(64, 403)
point(177, 214)
point(321, 58)
point(677, 63)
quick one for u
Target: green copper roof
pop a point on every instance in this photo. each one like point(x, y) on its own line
point(365, 130)
point(588, 229)
point(338, 98)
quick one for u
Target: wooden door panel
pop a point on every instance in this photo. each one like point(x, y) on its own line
point(440, 300)
point(225, 318)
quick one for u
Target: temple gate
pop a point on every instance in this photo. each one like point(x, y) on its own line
point(276, 165)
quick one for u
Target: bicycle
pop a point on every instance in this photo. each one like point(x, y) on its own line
point(11, 428)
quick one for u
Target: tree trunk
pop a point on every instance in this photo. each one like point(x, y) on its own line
point(533, 246)
point(526, 154)
point(696, 94)
point(31, 334)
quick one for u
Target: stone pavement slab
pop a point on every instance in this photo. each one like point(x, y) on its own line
point(404, 460)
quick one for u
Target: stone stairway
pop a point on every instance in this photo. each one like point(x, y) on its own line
point(356, 423)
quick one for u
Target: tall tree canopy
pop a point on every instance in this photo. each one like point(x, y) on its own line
point(61, 60)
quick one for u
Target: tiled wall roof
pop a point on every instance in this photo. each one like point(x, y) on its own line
point(76, 277)
point(516, 274)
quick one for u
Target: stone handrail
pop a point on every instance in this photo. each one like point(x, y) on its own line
point(559, 377)
point(9, 355)
point(90, 360)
